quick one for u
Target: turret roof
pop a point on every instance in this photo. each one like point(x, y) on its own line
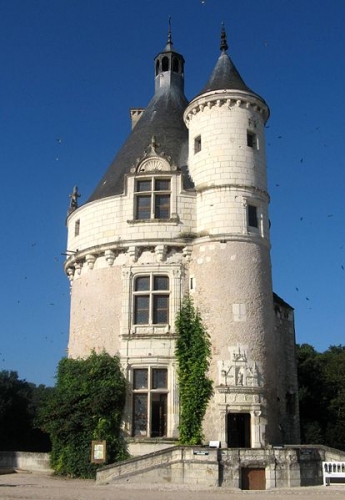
point(225, 75)
point(163, 118)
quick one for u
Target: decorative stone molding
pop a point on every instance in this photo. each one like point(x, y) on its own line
point(160, 251)
point(78, 266)
point(239, 371)
point(245, 102)
point(109, 257)
point(70, 273)
point(187, 252)
point(133, 253)
point(90, 260)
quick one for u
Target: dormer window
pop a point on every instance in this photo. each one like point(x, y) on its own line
point(152, 198)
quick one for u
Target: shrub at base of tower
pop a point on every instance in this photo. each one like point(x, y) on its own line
point(193, 353)
point(86, 404)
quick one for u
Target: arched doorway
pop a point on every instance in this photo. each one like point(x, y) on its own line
point(238, 430)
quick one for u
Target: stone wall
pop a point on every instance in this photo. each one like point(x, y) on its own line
point(12, 460)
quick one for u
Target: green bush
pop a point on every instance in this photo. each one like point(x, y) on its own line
point(86, 404)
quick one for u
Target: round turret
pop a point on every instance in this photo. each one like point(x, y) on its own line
point(231, 256)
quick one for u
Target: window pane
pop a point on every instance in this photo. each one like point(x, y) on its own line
point(140, 414)
point(161, 283)
point(162, 206)
point(142, 283)
point(140, 379)
point(162, 185)
point(143, 210)
point(141, 310)
point(160, 309)
point(159, 378)
point(143, 186)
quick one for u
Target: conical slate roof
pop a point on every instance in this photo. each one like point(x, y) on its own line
point(225, 76)
point(163, 118)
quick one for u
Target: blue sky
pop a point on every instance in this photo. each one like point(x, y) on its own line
point(70, 71)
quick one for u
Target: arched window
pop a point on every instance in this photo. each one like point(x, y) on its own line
point(157, 67)
point(165, 64)
point(175, 65)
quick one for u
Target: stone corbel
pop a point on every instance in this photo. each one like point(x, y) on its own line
point(90, 260)
point(109, 256)
point(187, 253)
point(133, 253)
point(70, 273)
point(160, 251)
point(78, 266)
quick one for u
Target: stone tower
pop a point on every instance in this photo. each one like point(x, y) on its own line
point(184, 208)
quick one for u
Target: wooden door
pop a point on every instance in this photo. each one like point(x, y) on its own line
point(253, 479)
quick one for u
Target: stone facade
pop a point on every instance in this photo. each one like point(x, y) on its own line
point(187, 213)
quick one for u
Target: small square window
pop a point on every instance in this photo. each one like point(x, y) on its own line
point(251, 139)
point(197, 144)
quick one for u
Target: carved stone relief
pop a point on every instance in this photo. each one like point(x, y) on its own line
point(238, 370)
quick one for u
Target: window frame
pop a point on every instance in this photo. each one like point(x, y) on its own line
point(142, 423)
point(152, 294)
point(155, 201)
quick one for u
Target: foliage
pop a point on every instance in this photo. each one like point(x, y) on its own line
point(322, 395)
point(19, 402)
point(193, 352)
point(87, 404)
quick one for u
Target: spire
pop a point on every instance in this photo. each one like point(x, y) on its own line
point(169, 44)
point(223, 43)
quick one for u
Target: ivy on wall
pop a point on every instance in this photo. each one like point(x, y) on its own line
point(193, 353)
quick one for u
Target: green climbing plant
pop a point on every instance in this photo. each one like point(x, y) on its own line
point(86, 404)
point(193, 354)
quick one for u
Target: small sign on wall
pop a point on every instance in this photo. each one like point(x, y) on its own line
point(98, 452)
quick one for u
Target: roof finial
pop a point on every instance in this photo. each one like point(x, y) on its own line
point(169, 42)
point(223, 44)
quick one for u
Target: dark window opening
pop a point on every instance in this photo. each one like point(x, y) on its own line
point(165, 64)
point(77, 227)
point(197, 144)
point(158, 415)
point(251, 140)
point(157, 67)
point(253, 216)
point(175, 65)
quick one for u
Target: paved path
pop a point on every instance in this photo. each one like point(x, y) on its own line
point(26, 486)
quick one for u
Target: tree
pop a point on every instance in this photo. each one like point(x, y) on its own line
point(321, 378)
point(19, 402)
point(86, 404)
point(193, 353)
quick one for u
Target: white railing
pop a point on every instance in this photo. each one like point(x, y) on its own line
point(332, 470)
